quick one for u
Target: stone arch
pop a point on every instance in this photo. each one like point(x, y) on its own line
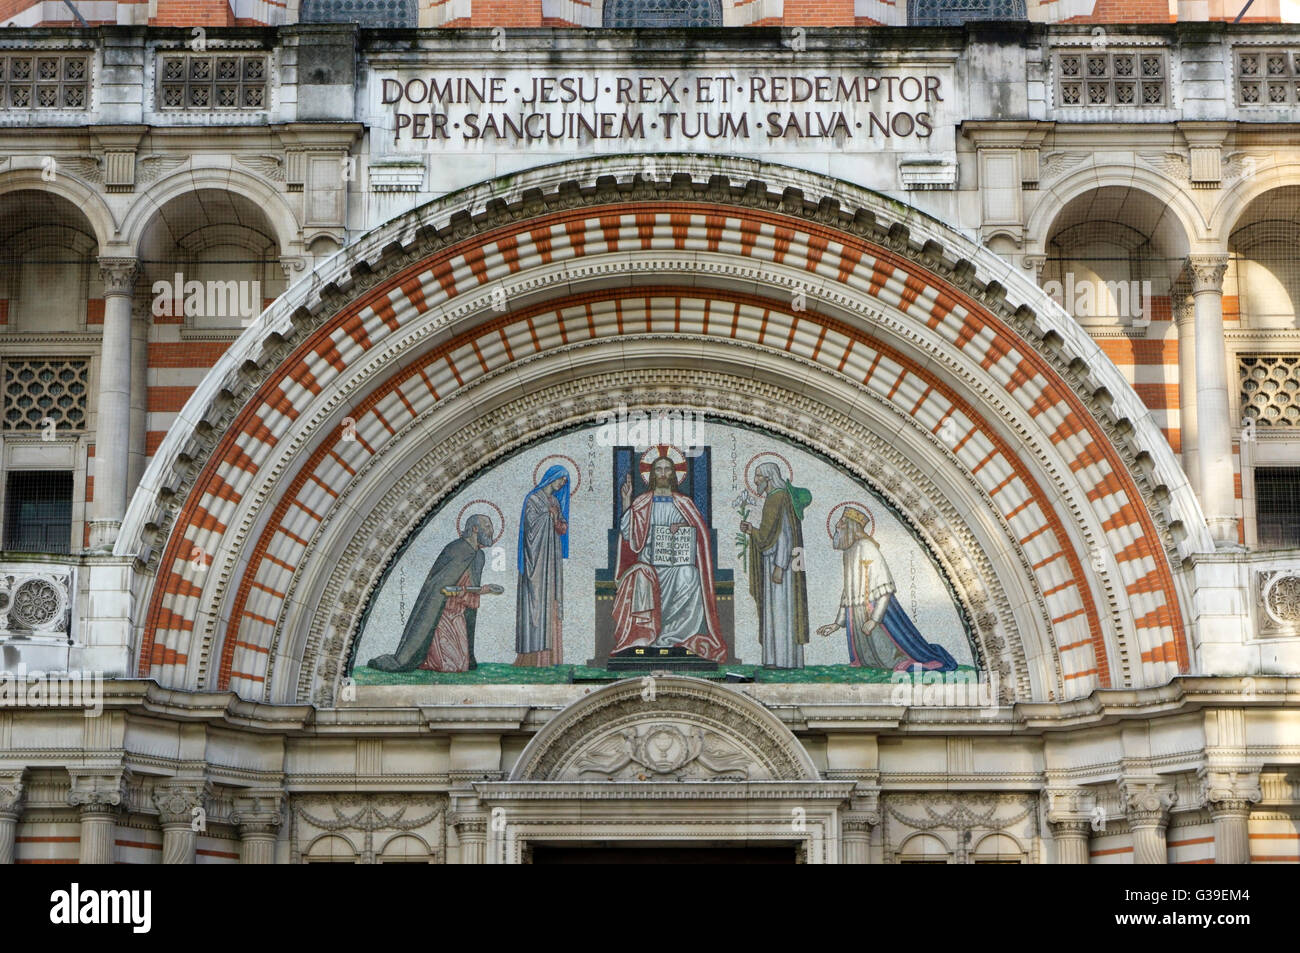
point(1079, 182)
point(1237, 198)
point(906, 325)
point(707, 732)
point(67, 186)
point(188, 181)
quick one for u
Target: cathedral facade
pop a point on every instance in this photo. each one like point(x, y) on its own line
point(493, 433)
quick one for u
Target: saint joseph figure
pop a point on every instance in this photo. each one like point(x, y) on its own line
point(776, 577)
point(880, 633)
point(543, 547)
point(439, 635)
point(665, 594)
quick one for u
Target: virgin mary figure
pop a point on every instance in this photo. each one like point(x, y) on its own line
point(543, 547)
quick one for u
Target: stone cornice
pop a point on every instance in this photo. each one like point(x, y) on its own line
point(1102, 707)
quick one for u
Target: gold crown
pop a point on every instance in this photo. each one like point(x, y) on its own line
point(855, 516)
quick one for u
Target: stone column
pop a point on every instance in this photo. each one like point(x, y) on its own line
point(1072, 836)
point(177, 802)
point(98, 797)
point(1183, 304)
point(857, 823)
point(1147, 804)
point(1072, 815)
point(258, 816)
point(11, 796)
point(1214, 426)
point(1228, 794)
point(471, 830)
point(113, 406)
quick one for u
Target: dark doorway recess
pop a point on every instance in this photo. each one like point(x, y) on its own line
point(621, 854)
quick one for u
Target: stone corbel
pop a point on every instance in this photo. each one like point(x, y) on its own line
point(1205, 148)
point(119, 145)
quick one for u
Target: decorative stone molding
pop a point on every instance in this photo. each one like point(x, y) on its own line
point(964, 817)
point(366, 821)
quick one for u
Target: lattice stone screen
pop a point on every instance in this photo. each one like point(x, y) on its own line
point(37, 390)
point(1268, 78)
point(1270, 389)
point(50, 81)
point(222, 81)
point(1122, 78)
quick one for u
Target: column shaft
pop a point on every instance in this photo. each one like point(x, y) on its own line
point(113, 406)
point(97, 826)
point(1214, 425)
point(1231, 835)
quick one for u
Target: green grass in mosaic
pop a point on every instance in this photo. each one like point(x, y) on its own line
point(497, 673)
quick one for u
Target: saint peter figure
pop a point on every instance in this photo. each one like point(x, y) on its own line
point(880, 634)
point(665, 594)
point(543, 547)
point(776, 577)
point(439, 635)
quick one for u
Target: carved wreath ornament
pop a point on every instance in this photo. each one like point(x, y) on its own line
point(1281, 598)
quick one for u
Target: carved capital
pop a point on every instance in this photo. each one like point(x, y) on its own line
point(1229, 790)
point(1069, 805)
point(469, 826)
point(1034, 264)
point(97, 793)
point(176, 801)
point(118, 275)
point(1147, 802)
point(1206, 272)
point(11, 793)
point(258, 812)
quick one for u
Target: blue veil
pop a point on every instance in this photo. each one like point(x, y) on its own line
point(562, 497)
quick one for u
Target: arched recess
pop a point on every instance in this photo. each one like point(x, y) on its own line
point(183, 183)
point(820, 311)
point(66, 186)
point(1157, 185)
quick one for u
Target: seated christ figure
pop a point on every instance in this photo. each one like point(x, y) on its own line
point(665, 594)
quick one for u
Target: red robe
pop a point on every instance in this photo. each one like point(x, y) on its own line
point(642, 628)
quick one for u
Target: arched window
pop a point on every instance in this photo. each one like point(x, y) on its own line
point(662, 13)
point(373, 14)
point(953, 12)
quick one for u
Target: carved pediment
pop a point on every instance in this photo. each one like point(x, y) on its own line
point(665, 728)
point(664, 750)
